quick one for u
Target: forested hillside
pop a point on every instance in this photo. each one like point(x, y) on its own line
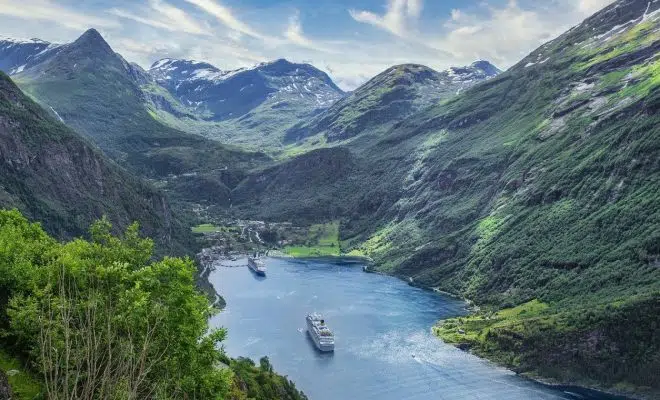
point(58, 178)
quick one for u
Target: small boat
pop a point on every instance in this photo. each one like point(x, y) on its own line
point(257, 266)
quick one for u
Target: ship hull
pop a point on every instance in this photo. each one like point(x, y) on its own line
point(256, 271)
point(322, 346)
point(252, 265)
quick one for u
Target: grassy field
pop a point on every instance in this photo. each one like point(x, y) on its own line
point(541, 339)
point(474, 329)
point(206, 228)
point(24, 385)
point(322, 240)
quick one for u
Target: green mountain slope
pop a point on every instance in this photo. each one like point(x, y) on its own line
point(540, 184)
point(388, 98)
point(53, 175)
point(308, 188)
point(96, 92)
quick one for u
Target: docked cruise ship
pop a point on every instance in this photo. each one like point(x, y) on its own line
point(257, 266)
point(320, 333)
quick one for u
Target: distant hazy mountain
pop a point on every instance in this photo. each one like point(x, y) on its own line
point(222, 95)
point(251, 106)
point(17, 54)
point(389, 97)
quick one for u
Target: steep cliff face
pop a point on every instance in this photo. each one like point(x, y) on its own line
point(55, 176)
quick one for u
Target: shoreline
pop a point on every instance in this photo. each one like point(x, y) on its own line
point(339, 260)
point(579, 390)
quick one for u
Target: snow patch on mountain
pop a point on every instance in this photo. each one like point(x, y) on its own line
point(17, 55)
point(301, 86)
point(477, 71)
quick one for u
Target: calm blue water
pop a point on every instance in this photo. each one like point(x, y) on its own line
point(379, 324)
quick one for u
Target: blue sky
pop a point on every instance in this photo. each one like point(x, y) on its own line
point(352, 40)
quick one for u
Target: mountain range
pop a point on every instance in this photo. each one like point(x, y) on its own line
point(259, 106)
point(532, 189)
point(388, 98)
point(96, 92)
point(248, 106)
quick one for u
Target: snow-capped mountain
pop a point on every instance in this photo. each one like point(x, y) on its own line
point(19, 54)
point(223, 95)
point(33, 56)
point(475, 72)
point(254, 106)
point(390, 97)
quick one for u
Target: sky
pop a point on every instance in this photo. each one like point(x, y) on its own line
point(352, 40)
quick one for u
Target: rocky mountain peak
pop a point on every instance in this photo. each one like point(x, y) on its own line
point(92, 41)
point(485, 66)
point(220, 94)
point(390, 97)
point(477, 71)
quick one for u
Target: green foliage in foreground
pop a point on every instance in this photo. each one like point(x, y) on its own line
point(99, 319)
point(261, 383)
point(24, 385)
point(322, 240)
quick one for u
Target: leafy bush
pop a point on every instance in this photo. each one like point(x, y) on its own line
point(98, 319)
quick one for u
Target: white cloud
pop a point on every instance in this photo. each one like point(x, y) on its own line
point(414, 8)
point(504, 35)
point(591, 6)
point(294, 32)
point(224, 54)
point(225, 15)
point(164, 16)
point(178, 17)
point(44, 10)
point(397, 19)
point(208, 30)
point(501, 35)
point(295, 35)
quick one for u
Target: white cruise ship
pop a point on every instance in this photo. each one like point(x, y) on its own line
point(257, 266)
point(320, 333)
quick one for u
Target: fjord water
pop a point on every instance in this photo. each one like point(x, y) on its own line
point(384, 347)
